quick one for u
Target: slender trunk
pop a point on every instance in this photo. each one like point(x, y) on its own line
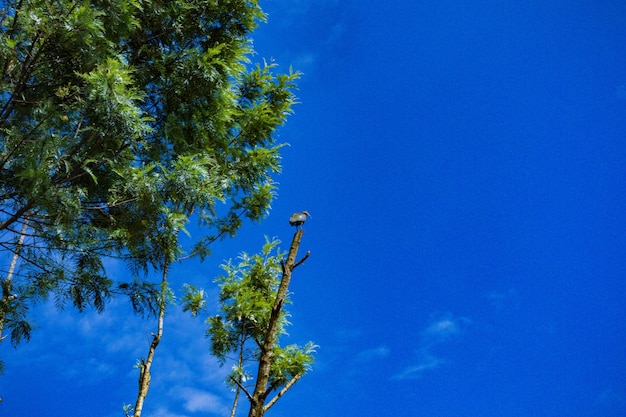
point(242, 343)
point(6, 285)
point(146, 364)
point(233, 410)
point(261, 390)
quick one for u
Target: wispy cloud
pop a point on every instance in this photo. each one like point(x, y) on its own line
point(373, 354)
point(161, 412)
point(440, 330)
point(425, 361)
point(196, 400)
point(92, 348)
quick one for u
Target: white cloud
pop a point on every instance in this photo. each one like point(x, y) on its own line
point(163, 412)
point(195, 400)
point(425, 362)
point(443, 327)
point(440, 330)
point(99, 347)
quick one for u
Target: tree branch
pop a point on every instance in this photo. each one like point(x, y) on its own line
point(258, 342)
point(282, 392)
point(241, 387)
point(301, 260)
point(16, 215)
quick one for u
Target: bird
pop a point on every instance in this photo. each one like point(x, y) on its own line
point(298, 219)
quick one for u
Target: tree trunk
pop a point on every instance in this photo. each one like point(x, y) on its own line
point(146, 365)
point(261, 390)
point(7, 284)
point(242, 344)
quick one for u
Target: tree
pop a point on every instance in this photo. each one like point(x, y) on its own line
point(120, 122)
point(68, 118)
point(252, 298)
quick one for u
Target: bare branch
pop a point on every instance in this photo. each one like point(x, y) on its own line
point(282, 392)
point(301, 260)
point(241, 387)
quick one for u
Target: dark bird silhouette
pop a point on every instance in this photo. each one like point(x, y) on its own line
point(298, 219)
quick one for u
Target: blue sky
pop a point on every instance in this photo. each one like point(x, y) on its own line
point(464, 164)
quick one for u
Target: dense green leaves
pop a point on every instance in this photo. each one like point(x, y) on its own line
point(120, 123)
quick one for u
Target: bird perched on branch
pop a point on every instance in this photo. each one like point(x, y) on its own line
point(298, 219)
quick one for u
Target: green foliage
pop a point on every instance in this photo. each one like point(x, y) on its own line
point(193, 299)
point(289, 362)
point(121, 122)
point(143, 296)
point(247, 294)
point(14, 313)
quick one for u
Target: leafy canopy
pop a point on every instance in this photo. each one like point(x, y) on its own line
point(120, 121)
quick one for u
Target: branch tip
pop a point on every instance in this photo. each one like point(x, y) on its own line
point(304, 258)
